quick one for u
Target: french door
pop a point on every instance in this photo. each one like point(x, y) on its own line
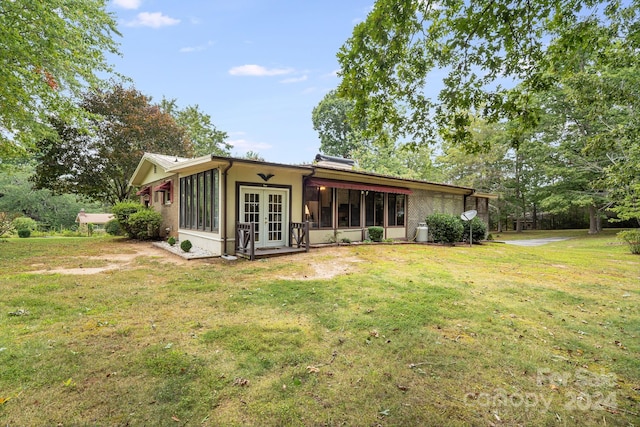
point(268, 209)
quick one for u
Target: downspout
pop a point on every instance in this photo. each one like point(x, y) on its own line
point(223, 186)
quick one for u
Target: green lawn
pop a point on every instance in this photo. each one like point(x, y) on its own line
point(360, 335)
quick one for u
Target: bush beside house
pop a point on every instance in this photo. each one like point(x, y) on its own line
point(478, 230)
point(445, 228)
point(138, 221)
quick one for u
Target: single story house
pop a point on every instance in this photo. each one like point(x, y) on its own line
point(231, 205)
point(98, 219)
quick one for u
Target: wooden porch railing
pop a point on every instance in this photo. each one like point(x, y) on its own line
point(246, 235)
point(246, 239)
point(299, 235)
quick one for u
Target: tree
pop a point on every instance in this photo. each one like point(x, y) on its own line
point(49, 53)
point(339, 137)
point(331, 120)
point(593, 108)
point(98, 164)
point(19, 198)
point(203, 135)
point(387, 65)
point(253, 155)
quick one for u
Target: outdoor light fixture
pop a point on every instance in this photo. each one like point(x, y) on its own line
point(266, 176)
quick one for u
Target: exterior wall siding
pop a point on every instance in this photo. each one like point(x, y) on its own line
point(170, 211)
point(425, 202)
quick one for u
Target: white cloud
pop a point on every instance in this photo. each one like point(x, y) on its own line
point(153, 20)
point(295, 79)
point(246, 145)
point(258, 70)
point(200, 48)
point(128, 4)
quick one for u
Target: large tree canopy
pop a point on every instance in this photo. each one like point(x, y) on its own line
point(484, 48)
point(205, 138)
point(50, 52)
point(330, 119)
point(98, 164)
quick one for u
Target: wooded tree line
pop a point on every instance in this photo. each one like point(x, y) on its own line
point(543, 94)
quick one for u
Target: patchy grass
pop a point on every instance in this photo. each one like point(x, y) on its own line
point(396, 335)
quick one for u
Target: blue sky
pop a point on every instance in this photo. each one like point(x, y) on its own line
point(257, 67)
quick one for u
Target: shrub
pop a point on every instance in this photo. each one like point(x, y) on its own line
point(144, 224)
point(24, 223)
point(113, 227)
point(445, 228)
point(171, 241)
point(632, 238)
point(375, 233)
point(186, 245)
point(123, 210)
point(478, 230)
point(24, 233)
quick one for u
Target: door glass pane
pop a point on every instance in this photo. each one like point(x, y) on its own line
point(275, 217)
point(252, 211)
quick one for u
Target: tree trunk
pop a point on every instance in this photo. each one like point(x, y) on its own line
point(594, 219)
point(534, 215)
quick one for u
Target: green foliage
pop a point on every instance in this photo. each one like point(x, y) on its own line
point(205, 138)
point(376, 233)
point(25, 223)
point(113, 227)
point(145, 224)
point(98, 164)
point(51, 211)
point(171, 241)
point(122, 212)
point(50, 51)
point(632, 238)
point(186, 245)
point(24, 233)
point(253, 155)
point(6, 224)
point(478, 230)
point(331, 120)
point(395, 54)
point(445, 228)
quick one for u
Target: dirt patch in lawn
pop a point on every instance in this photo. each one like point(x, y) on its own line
point(317, 268)
point(120, 261)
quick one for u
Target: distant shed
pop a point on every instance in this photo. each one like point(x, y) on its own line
point(99, 219)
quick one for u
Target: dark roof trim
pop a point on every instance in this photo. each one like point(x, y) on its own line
point(258, 162)
point(395, 178)
point(319, 182)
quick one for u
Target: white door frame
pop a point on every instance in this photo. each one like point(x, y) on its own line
point(268, 207)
